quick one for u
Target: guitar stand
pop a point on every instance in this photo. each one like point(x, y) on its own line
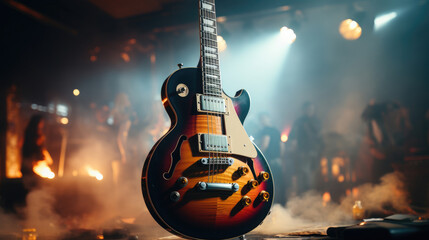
point(243, 237)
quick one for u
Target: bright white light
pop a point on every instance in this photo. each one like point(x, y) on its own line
point(382, 20)
point(288, 35)
point(62, 110)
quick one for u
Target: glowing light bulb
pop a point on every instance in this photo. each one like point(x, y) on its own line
point(76, 92)
point(350, 29)
point(287, 34)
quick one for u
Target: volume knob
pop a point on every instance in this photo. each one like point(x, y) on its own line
point(182, 182)
point(175, 196)
point(263, 176)
point(253, 183)
point(246, 201)
point(264, 195)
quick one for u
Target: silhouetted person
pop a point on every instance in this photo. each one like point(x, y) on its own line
point(305, 144)
point(123, 117)
point(388, 127)
point(33, 151)
point(268, 139)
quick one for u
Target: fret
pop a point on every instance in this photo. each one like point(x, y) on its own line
point(209, 36)
point(212, 76)
point(209, 30)
point(210, 49)
point(208, 14)
point(211, 44)
point(209, 22)
point(210, 56)
point(208, 1)
point(207, 6)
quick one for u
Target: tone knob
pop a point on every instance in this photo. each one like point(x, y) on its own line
point(243, 171)
point(263, 176)
point(175, 196)
point(182, 182)
point(253, 183)
point(246, 201)
point(264, 195)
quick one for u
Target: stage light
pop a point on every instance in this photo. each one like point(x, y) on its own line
point(221, 43)
point(284, 137)
point(64, 120)
point(125, 57)
point(350, 29)
point(153, 58)
point(62, 110)
point(76, 92)
point(382, 20)
point(221, 19)
point(288, 35)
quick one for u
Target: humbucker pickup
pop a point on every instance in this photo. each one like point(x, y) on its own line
point(210, 104)
point(213, 143)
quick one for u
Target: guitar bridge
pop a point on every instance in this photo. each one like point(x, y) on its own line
point(217, 161)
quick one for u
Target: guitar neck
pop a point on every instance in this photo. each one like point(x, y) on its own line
point(208, 49)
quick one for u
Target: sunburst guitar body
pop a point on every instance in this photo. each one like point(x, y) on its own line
point(205, 179)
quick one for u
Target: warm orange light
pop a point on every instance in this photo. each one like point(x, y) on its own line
point(76, 92)
point(284, 137)
point(93, 58)
point(153, 58)
point(64, 120)
point(355, 192)
point(335, 169)
point(285, 134)
point(125, 57)
point(284, 8)
point(94, 173)
point(350, 29)
point(42, 169)
point(326, 197)
point(132, 41)
point(221, 43)
point(341, 178)
point(221, 19)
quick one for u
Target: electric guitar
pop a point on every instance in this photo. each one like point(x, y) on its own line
point(205, 179)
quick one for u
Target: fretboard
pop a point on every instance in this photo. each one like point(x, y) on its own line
point(208, 48)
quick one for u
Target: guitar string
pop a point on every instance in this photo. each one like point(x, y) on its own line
point(205, 90)
point(212, 120)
